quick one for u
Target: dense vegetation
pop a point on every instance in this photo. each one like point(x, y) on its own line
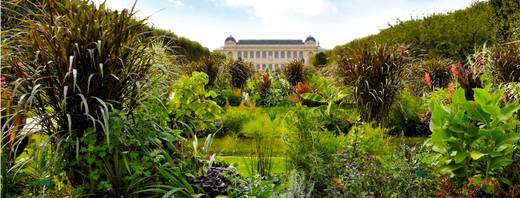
point(454, 35)
point(96, 103)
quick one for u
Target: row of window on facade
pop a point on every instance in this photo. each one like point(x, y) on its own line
point(271, 67)
point(265, 54)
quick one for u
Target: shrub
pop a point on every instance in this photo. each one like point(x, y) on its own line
point(438, 71)
point(302, 88)
point(375, 72)
point(234, 118)
point(405, 116)
point(229, 97)
point(319, 60)
point(506, 63)
point(294, 72)
point(76, 62)
point(475, 139)
point(191, 106)
point(209, 65)
point(240, 72)
point(311, 150)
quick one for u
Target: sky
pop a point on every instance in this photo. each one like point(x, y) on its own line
point(331, 22)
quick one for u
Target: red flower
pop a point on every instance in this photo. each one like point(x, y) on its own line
point(428, 79)
point(455, 69)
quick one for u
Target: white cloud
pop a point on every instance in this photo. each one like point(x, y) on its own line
point(281, 11)
point(177, 3)
point(332, 22)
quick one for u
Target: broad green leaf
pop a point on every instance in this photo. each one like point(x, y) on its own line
point(482, 96)
point(500, 162)
point(477, 155)
point(460, 157)
point(313, 97)
point(438, 117)
point(507, 112)
point(458, 97)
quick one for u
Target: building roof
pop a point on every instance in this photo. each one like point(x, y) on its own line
point(230, 38)
point(270, 42)
point(310, 38)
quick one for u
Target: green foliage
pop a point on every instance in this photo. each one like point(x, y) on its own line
point(319, 59)
point(405, 116)
point(475, 138)
point(268, 90)
point(234, 118)
point(240, 72)
point(311, 150)
point(72, 62)
point(183, 49)
point(191, 106)
point(452, 35)
point(506, 18)
point(263, 131)
point(209, 65)
point(294, 72)
point(229, 97)
point(375, 72)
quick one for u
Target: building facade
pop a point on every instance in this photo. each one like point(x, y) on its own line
point(270, 54)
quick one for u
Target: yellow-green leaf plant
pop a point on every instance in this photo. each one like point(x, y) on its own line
point(475, 139)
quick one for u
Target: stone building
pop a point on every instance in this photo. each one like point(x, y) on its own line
point(272, 54)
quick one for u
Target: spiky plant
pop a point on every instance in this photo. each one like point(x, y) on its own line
point(375, 72)
point(294, 72)
point(71, 64)
point(438, 70)
point(506, 62)
point(240, 72)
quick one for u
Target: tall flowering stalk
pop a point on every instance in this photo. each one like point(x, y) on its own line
point(468, 75)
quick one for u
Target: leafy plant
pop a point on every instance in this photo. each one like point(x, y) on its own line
point(468, 75)
point(375, 72)
point(240, 72)
point(209, 65)
point(405, 115)
point(302, 88)
point(191, 106)
point(294, 72)
point(475, 139)
point(75, 62)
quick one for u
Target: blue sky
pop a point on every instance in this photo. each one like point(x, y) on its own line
point(331, 22)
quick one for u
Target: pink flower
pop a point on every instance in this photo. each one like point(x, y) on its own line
point(480, 60)
point(3, 81)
